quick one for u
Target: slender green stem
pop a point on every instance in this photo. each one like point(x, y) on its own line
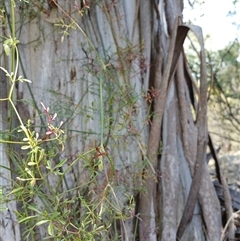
point(12, 60)
point(13, 33)
point(11, 91)
point(17, 62)
point(10, 97)
point(15, 110)
point(101, 107)
point(11, 142)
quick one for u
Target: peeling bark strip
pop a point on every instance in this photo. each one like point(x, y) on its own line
point(226, 193)
point(201, 122)
point(175, 48)
point(202, 141)
point(147, 199)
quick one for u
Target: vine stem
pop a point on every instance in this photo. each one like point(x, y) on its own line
point(13, 32)
point(101, 108)
point(12, 61)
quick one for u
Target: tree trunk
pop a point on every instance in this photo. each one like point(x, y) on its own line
point(151, 127)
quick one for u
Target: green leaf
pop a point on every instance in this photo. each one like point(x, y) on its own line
point(34, 209)
point(29, 172)
point(33, 182)
point(55, 215)
point(25, 147)
point(58, 173)
point(27, 218)
point(6, 49)
point(32, 163)
point(15, 190)
point(41, 222)
point(21, 79)
point(100, 164)
point(61, 163)
point(4, 70)
point(50, 229)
